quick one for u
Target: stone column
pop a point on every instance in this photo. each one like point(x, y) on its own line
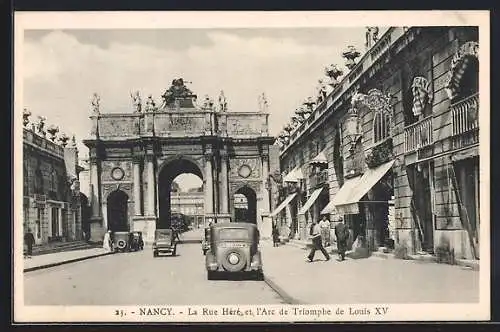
point(209, 188)
point(105, 216)
point(224, 191)
point(151, 186)
point(94, 189)
point(265, 181)
point(266, 220)
point(137, 187)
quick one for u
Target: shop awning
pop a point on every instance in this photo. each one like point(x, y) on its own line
point(280, 207)
point(294, 176)
point(290, 177)
point(348, 203)
point(310, 201)
point(320, 159)
point(342, 194)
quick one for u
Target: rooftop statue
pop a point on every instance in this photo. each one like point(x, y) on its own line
point(96, 101)
point(371, 36)
point(178, 92)
point(222, 102)
point(263, 104)
point(150, 104)
point(208, 103)
point(136, 98)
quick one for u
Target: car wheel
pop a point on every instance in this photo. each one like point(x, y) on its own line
point(155, 253)
point(234, 260)
point(174, 252)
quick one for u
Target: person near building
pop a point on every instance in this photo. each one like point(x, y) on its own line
point(276, 235)
point(342, 235)
point(106, 242)
point(317, 244)
point(324, 225)
point(29, 240)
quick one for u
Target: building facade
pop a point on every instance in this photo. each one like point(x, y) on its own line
point(135, 156)
point(392, 146)
point(189, 204)
point(51, 204)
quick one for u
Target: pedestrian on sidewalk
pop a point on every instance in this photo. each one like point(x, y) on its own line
point(315, 234)
point(324, 225)
point(106, 242)
point(276, 235)
point(29, 240)
point(342, 234)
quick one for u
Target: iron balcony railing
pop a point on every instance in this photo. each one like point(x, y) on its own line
point(419, 135)
point(464, 115)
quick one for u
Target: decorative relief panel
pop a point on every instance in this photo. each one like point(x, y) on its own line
point(248, 168)
point(116, 170)
point(180, 124)
point(108, 188)
point(244, 125)
point(119, 126)
point(255, 185)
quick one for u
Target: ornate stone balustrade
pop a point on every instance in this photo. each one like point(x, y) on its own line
point(31, 138)
point(180, 124)
point(419, 135)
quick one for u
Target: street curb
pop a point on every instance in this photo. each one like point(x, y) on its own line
point(422, 259)
point(281, 292)
point(40, 267)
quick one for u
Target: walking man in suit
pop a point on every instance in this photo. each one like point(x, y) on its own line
point(342, 234)
point(317, 243)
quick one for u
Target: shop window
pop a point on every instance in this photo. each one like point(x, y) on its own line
point(381, 126)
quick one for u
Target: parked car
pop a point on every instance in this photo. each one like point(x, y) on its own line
point(135, 241)
point(234, 248)
point(121, 241)
point(205, 242)
point(164, 242)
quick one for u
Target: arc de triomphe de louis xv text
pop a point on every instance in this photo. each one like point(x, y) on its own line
point(135, 156)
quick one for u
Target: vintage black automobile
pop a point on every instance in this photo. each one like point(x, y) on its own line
point(121, 241)
point(164, 242)
point(234, 248)
point(136, 242)
point(205, 242)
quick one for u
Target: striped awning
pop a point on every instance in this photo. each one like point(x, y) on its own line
point(320, 159)
point(314, 196)
point(280, 207)
point(459, 65)
point(294, 176)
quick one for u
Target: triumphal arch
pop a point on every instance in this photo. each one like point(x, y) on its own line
point(135, 156)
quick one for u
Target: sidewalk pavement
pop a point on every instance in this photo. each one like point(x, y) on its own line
point(59, 258)
point(420, 258)
point(49, 260)
point(368, 280)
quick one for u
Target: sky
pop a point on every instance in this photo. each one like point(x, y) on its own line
point(63, 68)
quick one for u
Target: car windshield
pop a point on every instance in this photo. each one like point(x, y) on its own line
point(163, 233)
point(233, 233)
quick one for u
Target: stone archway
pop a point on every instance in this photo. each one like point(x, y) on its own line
point(166, 175)
point(248, 214)
point(117, 211)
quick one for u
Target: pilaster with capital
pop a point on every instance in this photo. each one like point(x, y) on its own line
point(224, 185)
point(150, 211)
point(94, 187)
point(137, 185)
point(209, 187)
point(265, 184)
